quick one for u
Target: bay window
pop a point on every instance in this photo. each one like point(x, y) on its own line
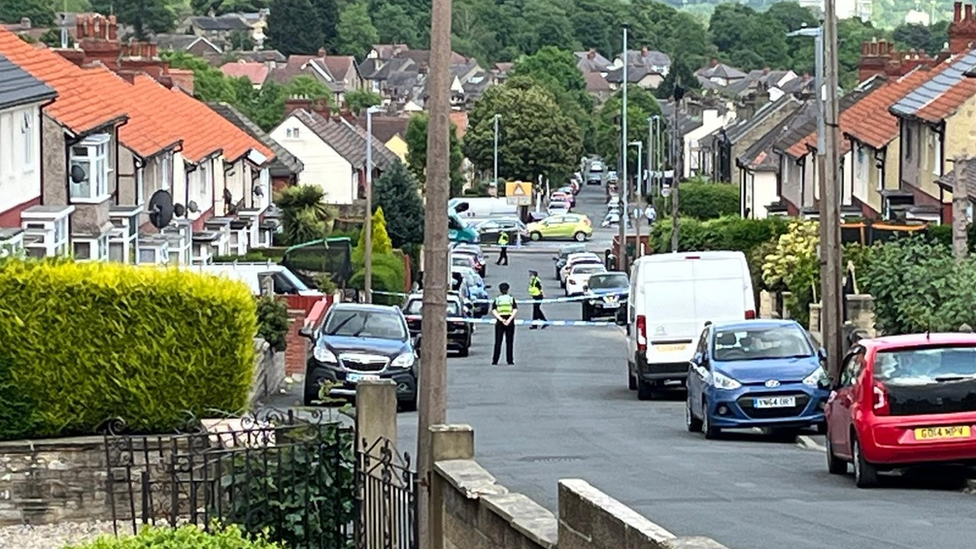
point(90, 163)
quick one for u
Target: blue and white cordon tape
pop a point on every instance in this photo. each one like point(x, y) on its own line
point(527, 300)
point(518, 322)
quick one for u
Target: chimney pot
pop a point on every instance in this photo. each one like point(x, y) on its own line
point(957, 12)
point(969, 12)
point(321, 52)
point(864, 48)
point(113, 28)
point(25, 23)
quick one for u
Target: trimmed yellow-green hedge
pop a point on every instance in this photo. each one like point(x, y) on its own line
point(86, 342)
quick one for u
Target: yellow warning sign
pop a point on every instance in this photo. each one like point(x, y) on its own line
point(518, 193)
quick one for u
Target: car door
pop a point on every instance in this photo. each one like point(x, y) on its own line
point(553, 226)
point(841, 401)
point(698, 372)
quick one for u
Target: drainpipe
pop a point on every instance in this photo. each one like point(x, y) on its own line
point(942, 159)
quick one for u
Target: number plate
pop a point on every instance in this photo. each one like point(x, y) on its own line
point(939, 433)
point(775, 402)
point(353, 378)
point(670, 348)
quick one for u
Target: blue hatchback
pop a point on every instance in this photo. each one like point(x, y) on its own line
point(755, 373)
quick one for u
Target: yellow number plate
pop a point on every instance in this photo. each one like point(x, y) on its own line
point(937, 433)
point(670, 348)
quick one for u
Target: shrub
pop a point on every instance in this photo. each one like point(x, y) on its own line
point(304, 214)
point(273, 322)
point(725, 233)
point(388, 276)
point(87, 342)
point(703, 201)
point(186, 537)
point(794, 266)
point(381, 240)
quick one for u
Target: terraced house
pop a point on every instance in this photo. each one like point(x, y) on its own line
point(123, 126)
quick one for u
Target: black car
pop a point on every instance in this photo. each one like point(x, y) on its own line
point(458, 332)
point(608, 294)
point(358, 340)
point(492, 229)
point(564, 253)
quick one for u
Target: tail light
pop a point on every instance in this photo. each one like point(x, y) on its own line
point(641, 333)
point(880, 400)
point(572, 281)
point(750, 315)
point(587, 221)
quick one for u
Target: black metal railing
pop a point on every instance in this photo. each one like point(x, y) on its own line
point(386, 487)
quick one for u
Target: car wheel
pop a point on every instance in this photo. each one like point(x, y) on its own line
point(631, 378)
point(865, 474)
point(535, 236)
point(587, 315)
point(580, 236)
point(408, 404)
point(645, 391)
point(311, 394)
point(464, 352)
point(693, 424)
point(835, 466)
point(711, 433)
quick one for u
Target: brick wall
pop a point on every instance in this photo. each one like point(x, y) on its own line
point(296, 352)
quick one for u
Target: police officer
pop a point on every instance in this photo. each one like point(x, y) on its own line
point(503, 243)
point(535, 292)
point(503, 308)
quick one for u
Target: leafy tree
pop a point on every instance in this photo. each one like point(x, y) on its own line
point(382, 244)
point(360, 100)
point(355, 33)
point(749, 39)
point(326, 19)
point(308, 86)
point(52, 38)
point(394, 24)
point(930, 39)
point(241, 40)
point(145, 16)
point(305, 215)
point(209, 84)
point(40, 12)
point(288, 28)
point(853, 33)
point(792, 15)
point(680, 73)
point(641, 105)
point(535, 137)
point(552, 68)
point(220, 7)
point(273, 322)
point(416, 139)
point(397, 194)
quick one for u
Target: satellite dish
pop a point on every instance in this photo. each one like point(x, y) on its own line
point(192, 207)
point(161, 209)
point(258, 190)
point(78, 174)
point(179, 210)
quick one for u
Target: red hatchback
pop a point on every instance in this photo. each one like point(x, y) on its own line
point(903, 401)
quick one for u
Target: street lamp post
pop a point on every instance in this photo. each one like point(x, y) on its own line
point(368, 240)
point(622, 248)
point(818, 81)
point(640, 186)
point(495, 155)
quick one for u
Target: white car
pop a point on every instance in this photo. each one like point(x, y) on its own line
point(558, 208)
point(579, 277)
point(575, 259)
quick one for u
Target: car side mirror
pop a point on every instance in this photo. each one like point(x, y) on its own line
point(822, 353)
point(307, 332)
point(697, 359)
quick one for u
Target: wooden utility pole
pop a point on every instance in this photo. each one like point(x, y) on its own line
point(960, 207)
point(831, 272)
point(433, 381)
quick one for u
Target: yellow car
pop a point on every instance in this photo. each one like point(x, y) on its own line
point(562, 227)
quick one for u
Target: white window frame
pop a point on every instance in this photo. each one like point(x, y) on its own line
point(27, 133)
point(13, 246)
point(99, 171)
point(206, 182)
point(92, 249)
point(166, 161)
point(936, 144)
point(141, 185)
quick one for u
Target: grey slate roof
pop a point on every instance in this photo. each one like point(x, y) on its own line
point(284, 164)
point(18, 87)
point(347, 139)
point(651, 59)
point(936, 86)
point(721, 70)
point(599, 63)
point(763, 154)
point(634, 75)
point(230, 22)
point(743, 127)
point(946, 181)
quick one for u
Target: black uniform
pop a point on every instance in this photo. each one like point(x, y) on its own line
point(506, 307)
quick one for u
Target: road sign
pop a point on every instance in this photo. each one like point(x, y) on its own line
point(518, 193)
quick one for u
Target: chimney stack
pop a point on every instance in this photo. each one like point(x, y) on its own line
point(98, 38)
point(25, 23)
point(591, 55)
point(962, 30)
point(297, 102)
point(321, 106)
point(881, 58)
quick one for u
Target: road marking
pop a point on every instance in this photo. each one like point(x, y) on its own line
point(807, 443)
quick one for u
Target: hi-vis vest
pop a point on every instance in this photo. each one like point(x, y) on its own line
point(535, 286)
point(504, 304)
point(503, 239)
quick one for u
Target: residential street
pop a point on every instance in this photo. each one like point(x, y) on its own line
point(564, 411)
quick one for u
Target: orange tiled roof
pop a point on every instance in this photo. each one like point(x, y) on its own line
point(870, 121)
point(257, 73)
point(204, 132)
point(84, 100)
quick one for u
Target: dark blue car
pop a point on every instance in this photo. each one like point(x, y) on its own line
point(755, 373)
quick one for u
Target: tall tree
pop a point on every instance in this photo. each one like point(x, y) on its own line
point(535, 136)
point(288, 28)
point(681, 73)
point(416, 139)
point(360, 100)
point(355, 34)
point(394, 24)
point(40, 12)
point(398, 194)
point(326, 14)
point(145, 16)
point(641, 105)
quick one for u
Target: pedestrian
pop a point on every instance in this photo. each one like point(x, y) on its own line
point(503, 244)
point(537, 295)
point(504, 308)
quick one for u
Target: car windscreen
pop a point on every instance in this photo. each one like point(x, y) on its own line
point(588, 268)
point(604, 282)
point(416, 306)
point(462, 260)
point(360, 323)
point(570, 250)
point(925, 365)
point(761, 343)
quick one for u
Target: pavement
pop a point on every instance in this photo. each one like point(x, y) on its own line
point(564, 411)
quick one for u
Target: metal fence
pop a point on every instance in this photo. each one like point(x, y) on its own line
point(386, 487)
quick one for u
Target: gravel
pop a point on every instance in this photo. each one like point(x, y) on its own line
point(56, 536)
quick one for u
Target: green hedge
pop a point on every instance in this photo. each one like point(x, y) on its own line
point(186, 537)
point(86, 342)
point(726, 233)
point(388, 276)
point(703, 201)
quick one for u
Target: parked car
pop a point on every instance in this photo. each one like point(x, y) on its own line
point(579, 276)
point(594, 178)
point(285, 281)
point(491, 229)
point(563, 226)
point(564, 252)
point(573, 260)
point(569, 193)
point(473, 250)
point(672, 296)
point(358, 340)
point(477, 289)
point(608, 292)
point(458, 332)
point(756, 373)
point(559, 208)
point(903, 401)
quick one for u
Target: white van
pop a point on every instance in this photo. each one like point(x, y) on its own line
point(483, 208)
point(672, 296)
point(285, 281)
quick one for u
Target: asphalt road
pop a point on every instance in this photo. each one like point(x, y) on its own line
point(564, 411)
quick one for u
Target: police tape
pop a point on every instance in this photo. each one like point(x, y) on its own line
point(570, 299)
point(519, 322)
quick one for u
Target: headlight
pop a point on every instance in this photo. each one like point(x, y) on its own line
point(324, 355)
point(813, 380)
point(405, 360)
point(722, 381)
